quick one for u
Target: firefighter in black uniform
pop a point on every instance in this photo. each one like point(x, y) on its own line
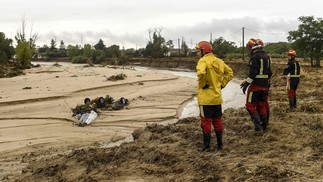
point(258, 84)
point(292, 70)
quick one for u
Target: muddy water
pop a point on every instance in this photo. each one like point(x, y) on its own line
point(232, 94)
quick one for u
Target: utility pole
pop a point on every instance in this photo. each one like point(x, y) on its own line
point(182, 43)
point(179, 49)
point(211, 38)
point(242, 43)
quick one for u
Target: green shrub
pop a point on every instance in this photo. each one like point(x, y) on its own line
point(79, 59)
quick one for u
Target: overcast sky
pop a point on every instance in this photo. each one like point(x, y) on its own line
point(126, 22)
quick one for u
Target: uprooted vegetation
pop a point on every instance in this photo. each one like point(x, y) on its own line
point(9, 70)
point(117, 77)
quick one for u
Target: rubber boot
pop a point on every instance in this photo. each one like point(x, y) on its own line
point(295, 102)
point(257, 122)
point(291, 103)
point(264, 122)
point(206, 143)
point(218, 135)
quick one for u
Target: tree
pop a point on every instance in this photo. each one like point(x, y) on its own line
point(21, 35)
point(97, 56)
point(52, 45)
point(87, 50)
point(221, 47)
point(184, 48)
point(277, 49)
point(62, 45)
point(73, 51)
point(156, 47)
point(100, 45)
point(113, 51)
point(139, 52)
point(43, 51)
point(170, 44)
point(130, 52)
point(62, 50)
point(6, 48)
point(308, 39)
point(24, 54)
point(53, 51)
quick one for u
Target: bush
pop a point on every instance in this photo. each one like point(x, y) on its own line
point(79, 59)
point(123, 60)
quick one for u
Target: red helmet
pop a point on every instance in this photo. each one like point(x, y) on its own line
point(205, 46)
point(291, 53)
point(255, 44)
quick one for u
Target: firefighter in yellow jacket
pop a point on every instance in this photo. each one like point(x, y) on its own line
point(213, 75)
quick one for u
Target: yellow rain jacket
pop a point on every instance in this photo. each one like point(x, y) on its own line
point(213, 72)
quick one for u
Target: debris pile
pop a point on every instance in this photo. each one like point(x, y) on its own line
point(9, 70)
point(88, 112)
point(120, 76)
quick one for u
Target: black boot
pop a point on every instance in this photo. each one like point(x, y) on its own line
point(291, 103)
point(206, 143)
point(295, 102)
point(218, 135)
point(264, 123)
point(257, 122)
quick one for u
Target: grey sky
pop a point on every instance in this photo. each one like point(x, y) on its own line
point(126, 22)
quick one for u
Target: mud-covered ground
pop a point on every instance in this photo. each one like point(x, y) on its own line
point(9, 70)
point(291, 149)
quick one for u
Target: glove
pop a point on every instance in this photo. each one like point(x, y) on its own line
point(244, 85)
point(206, 86)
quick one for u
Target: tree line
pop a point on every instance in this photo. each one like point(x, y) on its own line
point(307, 40)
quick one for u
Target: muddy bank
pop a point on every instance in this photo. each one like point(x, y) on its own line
point(168, 153)
point(9, 70)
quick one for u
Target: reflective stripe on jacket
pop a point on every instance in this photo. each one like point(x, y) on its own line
point(259, 69)
point(213, 72)
point(293, 68)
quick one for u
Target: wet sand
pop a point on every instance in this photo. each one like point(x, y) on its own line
point(36, 115)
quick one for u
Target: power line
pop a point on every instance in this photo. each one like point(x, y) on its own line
point(266, 32)
point(230, 33)
point(233, 32)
